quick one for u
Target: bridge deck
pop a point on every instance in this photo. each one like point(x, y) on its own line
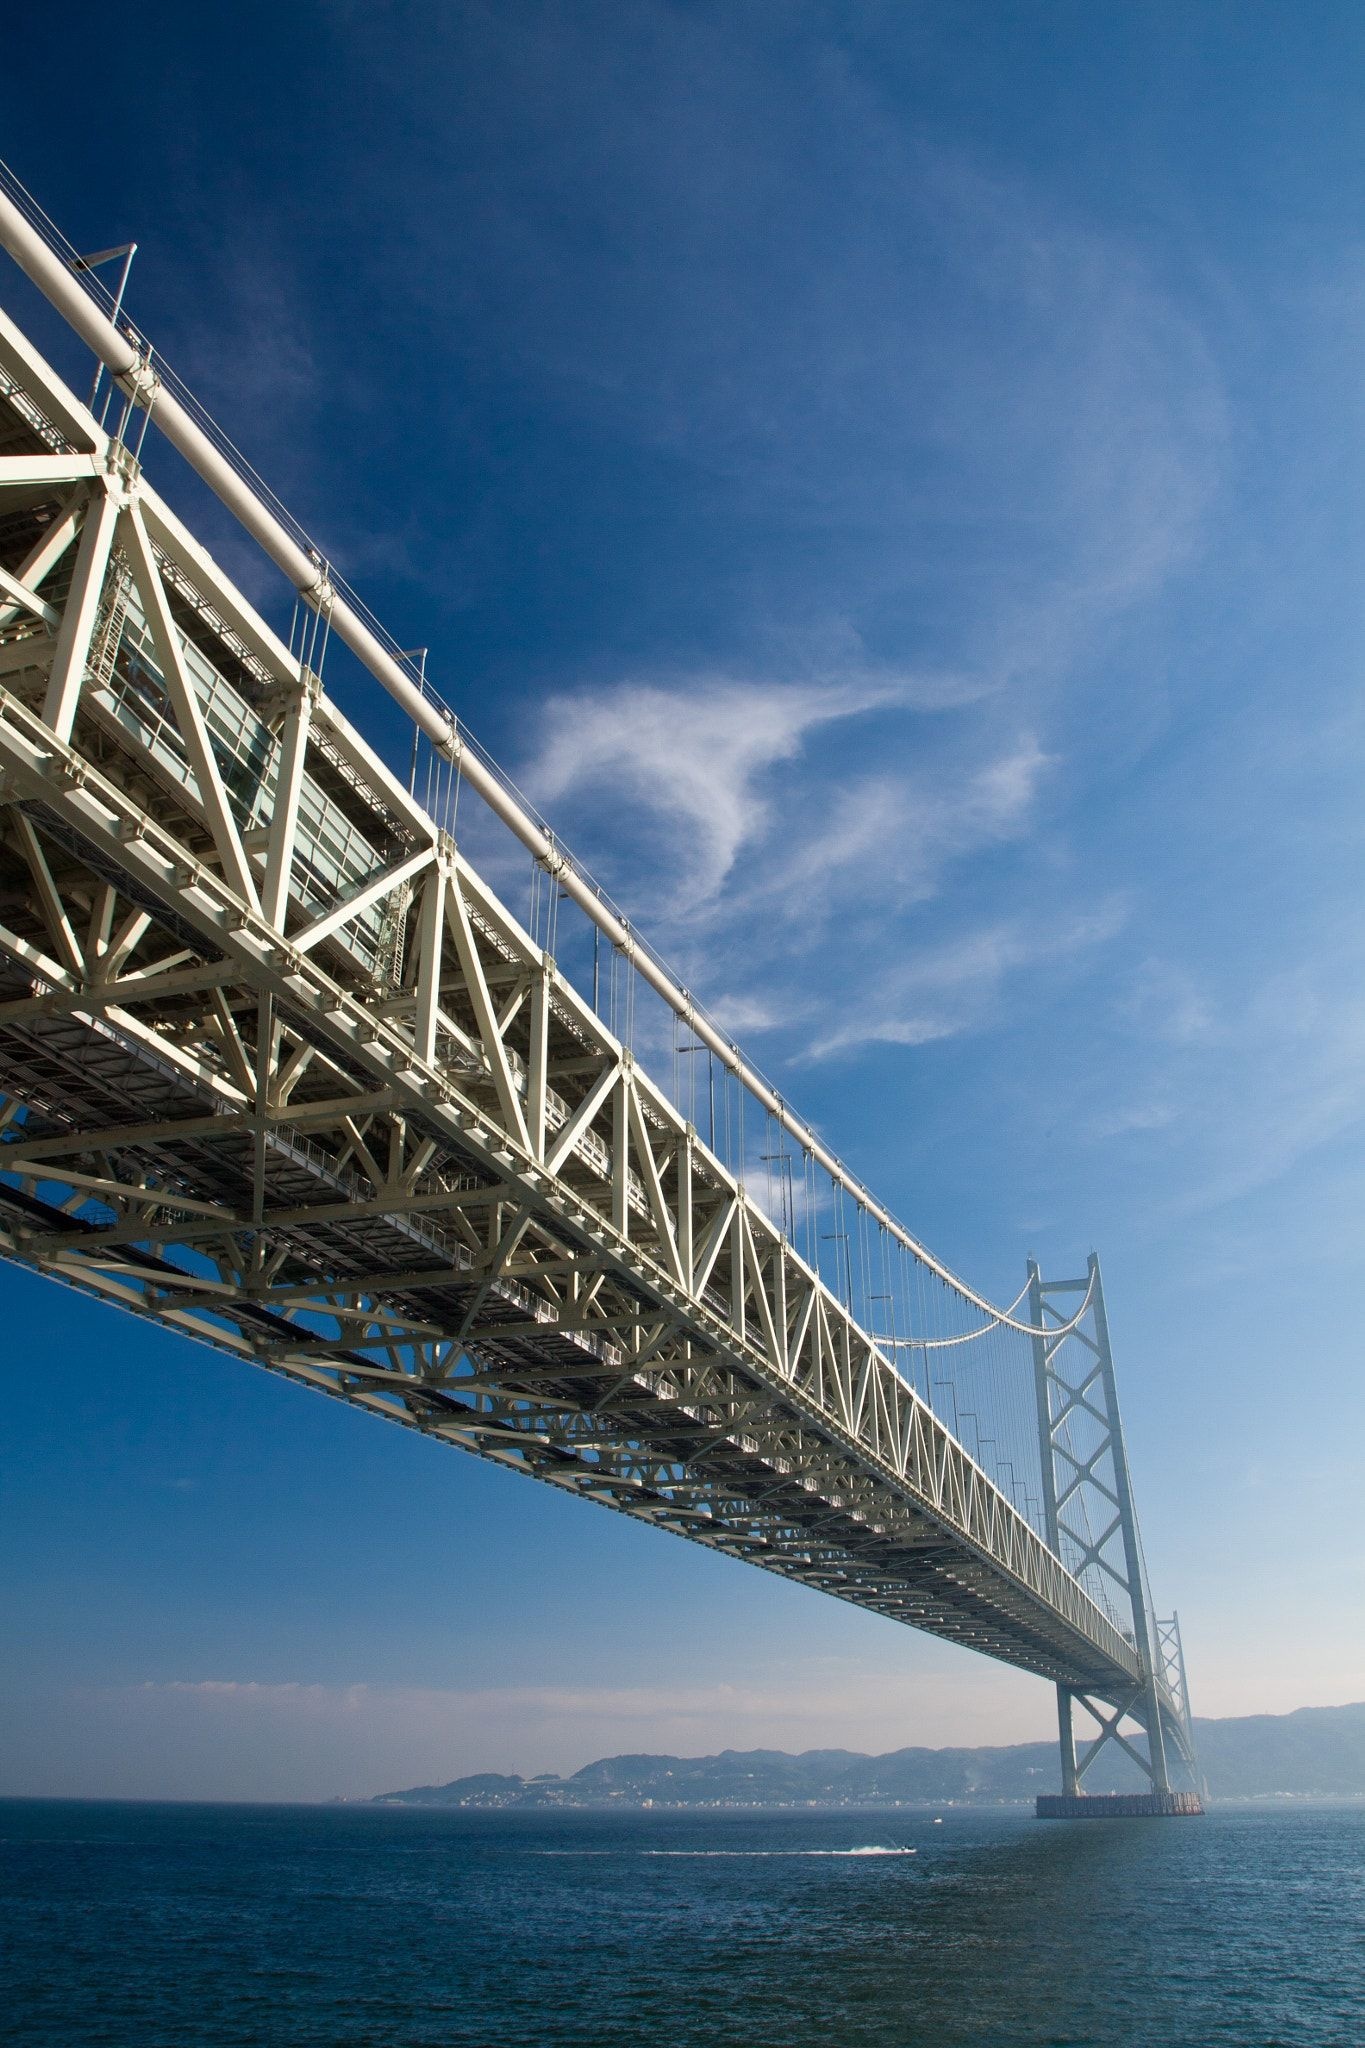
point(281, 1071)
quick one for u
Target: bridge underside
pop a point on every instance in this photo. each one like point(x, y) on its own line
point(688, 1445)
point(281, 1072)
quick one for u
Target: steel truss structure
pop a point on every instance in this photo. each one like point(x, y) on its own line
point(281, 1072)
point(1092, 1523)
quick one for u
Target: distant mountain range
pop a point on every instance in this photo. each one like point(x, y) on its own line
point(1318, 1752)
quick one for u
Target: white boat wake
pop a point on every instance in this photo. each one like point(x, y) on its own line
point(870, 1849)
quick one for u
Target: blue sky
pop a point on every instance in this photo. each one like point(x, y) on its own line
point(887, 481)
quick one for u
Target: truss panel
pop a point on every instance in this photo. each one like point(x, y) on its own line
point(280, 1071)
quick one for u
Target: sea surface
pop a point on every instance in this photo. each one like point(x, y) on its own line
point(177, 1925)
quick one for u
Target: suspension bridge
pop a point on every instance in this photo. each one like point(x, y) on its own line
point(280, 1070)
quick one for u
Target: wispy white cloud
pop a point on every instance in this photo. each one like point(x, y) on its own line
point(1165, 1000)
point(1126, 1122)
point(953, 987)
point(803, 801)
point(886, 838)
point(768, 853)
point(255, 355)
point(1239, 1073)
point(740, 1013)
point(628, 1703)
point(1288, 1080)
point(693, 759)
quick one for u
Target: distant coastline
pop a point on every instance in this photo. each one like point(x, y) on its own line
point(1315, 1753)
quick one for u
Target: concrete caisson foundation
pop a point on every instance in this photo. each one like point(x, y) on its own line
point(1117, 1805)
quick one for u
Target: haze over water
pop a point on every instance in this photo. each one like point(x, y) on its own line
point(178, 1925)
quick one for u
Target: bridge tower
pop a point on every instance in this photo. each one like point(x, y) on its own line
point(1092, 1526)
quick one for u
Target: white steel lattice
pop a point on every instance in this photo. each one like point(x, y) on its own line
point(280, 1070)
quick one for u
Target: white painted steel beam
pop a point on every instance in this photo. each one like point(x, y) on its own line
point(139, 380)
point(356, 1126)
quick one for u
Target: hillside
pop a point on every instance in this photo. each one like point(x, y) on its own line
point(1315, 1752)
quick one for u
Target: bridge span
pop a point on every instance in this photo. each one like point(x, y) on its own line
point(281, 1070)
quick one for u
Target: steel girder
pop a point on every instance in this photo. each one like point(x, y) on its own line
point(282, 1072)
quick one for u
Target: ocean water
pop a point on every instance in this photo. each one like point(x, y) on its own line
point(148, 1925)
